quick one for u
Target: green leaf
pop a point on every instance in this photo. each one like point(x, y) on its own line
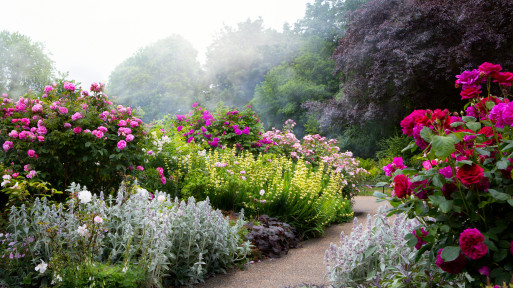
point(499, 195)
point(443, 146)
point(419, 207)
point(474, 126)
point(412, 146)
point(510, 202)
point(468, 119)
point(88, 144)
point(450, 253)
point(489, 105)
point(438, 181)
point(378, 194)
point(456, 124)
point(412, 240)
point(482, 151)
point(426, 134)
point(371, 250)
point(382, 184)
point(502, 165)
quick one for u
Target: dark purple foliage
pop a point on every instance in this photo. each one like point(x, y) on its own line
point(402, 55)
point(272, 237)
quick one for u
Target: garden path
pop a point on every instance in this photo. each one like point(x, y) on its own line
point(302, 265)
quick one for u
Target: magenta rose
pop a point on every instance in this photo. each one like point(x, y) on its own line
point(121, 144)
point(420, 238)
point(472, 244)
point(470, 174)
point(489, 68)
point(453, 267)
point(470, 93)
point(402, 186)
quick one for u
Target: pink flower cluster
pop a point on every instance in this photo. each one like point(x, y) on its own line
point(397, 164)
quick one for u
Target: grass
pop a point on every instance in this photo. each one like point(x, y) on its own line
point(368, 190)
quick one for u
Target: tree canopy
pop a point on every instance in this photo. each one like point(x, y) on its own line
point(240, 57)
point(402, 55)
point(162, 78)
point(24, 64)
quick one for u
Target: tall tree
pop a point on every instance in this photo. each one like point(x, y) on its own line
point(308, 77)
point(162, 78)
point(326, 18)
point(399, 55)
point(24, 64)
point(240, 57)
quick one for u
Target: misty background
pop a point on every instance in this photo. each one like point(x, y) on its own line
point(349, 70)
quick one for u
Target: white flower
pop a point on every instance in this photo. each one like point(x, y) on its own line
point(262, 192)
point(143, 192)
point(82, 231)
point(124, 269)
point(161, 198)
point(202, 153)
point(7, 177)
point(5, 182)
point(84, 196)
point(58, 278)
point(42, 267)
point(98, 219)
point(16, 186)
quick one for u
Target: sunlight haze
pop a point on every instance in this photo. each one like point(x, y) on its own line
point(89, 39)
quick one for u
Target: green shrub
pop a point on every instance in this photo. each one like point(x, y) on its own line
point(303, 196)
point(102, 275)
point(63, 135)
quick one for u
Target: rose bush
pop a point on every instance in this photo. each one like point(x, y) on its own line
point(224, 128)
point(464, 195)
point(62, 135)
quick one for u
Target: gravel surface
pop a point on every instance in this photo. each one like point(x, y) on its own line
point(302, 265)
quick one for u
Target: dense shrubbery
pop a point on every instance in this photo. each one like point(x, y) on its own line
point(65, 135)
point(168, 242)
point(303, 196)
point(463, 196)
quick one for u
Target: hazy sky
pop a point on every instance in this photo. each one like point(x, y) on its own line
point(88, 38)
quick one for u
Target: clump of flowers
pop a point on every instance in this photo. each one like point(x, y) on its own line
point(66, 134)
point(466, 180)
point(224, 128)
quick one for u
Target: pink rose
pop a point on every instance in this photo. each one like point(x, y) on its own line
point(31, 153)
point(76, 116)
point(129, 137)
point(472, 244)
point(121, 144)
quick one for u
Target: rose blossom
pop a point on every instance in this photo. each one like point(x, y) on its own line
point(453, 267)
point(121, 144)
point(470, 174)
point(420, 240)
point(76, 116)
point(84, 196)
point(7, 145)
point(472, 244)
point(98, 220)
point(31, 153)
point(402, 186)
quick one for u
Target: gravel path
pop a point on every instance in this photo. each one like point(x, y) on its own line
point(303, 265)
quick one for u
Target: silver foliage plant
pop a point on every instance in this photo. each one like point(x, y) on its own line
point(177, 242)
point(379, 256)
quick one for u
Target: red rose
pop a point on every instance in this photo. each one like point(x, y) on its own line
point(470, 174)
point(470, 93)
point(503, 78)
point(489, 68)
point(402, 186)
